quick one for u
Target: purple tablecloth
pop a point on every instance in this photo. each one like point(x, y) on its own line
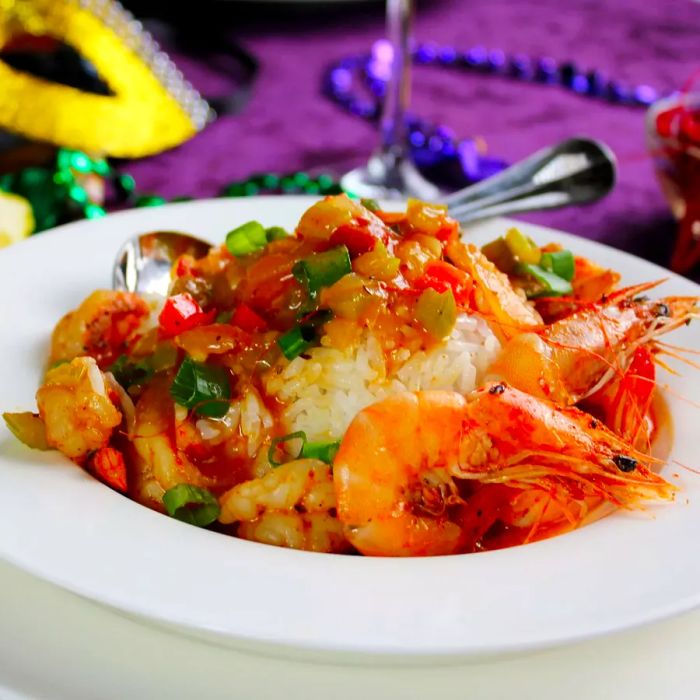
point(288, 125)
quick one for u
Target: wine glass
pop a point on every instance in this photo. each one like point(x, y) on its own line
point(390, 174)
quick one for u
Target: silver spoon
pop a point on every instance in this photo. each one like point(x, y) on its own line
point(144, 262)
point(576, 171)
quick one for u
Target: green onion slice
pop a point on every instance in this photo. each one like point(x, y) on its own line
point(551, 285)
point(205, 388)
point(301, 337)
point(191, 504)
point(299, 435)
point(246, 239)
point(323, 451)
point(323, 269)
point(296, 341)
point(128, 373)
point(561, 263)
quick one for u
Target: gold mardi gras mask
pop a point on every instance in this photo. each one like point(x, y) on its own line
point(149, 106)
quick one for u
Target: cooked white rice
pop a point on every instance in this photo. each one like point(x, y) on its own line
point(324, 392)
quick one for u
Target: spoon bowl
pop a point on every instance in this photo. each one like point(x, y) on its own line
point(144, 262)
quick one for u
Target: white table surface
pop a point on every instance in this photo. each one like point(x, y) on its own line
point(57, 646)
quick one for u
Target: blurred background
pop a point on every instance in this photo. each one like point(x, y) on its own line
point(295, 90)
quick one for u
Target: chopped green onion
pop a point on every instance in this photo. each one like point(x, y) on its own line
point(301, 337)
point(129, 373)
point(205, 388)
point(522, 247)
point(551, 285)
point(561, 263)
point(323, 451)
point(191, 504)
point(299, 435)
point(371, 204)
point(246, 239)
point(437, 312)
point(323, 269)
point(275, 233)
point(294, 342)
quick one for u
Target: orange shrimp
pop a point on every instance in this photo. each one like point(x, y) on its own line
point(415, 471)
point(100, 327)
point(575, 356)
point(506, 309)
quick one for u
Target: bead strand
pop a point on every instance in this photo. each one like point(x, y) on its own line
point(434, 147)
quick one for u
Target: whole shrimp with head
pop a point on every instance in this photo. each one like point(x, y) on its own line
point(436, 473)
point(576, 355)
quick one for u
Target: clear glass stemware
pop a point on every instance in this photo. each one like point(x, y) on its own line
point(390, 174)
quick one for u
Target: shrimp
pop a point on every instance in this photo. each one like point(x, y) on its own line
point(77, 409)
point(100, 327)
point(506, 309)
point(291, 506)
point(157, 465)
point(170, 448)
point(573, 357)
point(415, 471)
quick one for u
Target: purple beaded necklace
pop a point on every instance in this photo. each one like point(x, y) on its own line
point(358, 83)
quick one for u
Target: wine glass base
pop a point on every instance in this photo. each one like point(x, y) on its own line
point(384, 178)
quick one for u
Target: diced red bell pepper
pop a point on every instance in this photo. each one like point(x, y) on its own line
point(247, 320)
point(441, 276)
point(357, 239)
point(182, 313)
point(110, 467)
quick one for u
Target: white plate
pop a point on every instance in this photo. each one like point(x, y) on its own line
point(62, 525)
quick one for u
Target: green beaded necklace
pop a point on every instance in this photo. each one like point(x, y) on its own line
point(57, 194)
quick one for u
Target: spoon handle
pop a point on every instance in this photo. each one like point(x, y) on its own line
point(575, 171)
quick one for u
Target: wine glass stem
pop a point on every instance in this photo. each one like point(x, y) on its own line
point(399, 17)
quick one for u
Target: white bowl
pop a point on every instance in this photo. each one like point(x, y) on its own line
point(62, 525)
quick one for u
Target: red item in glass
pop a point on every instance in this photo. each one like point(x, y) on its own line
point(676, 151)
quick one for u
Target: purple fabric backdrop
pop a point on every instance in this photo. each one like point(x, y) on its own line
point(288, 125)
